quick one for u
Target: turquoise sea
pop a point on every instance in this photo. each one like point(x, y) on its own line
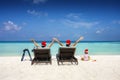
point(15, 48)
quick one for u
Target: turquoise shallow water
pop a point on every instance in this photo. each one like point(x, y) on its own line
point(95, 48)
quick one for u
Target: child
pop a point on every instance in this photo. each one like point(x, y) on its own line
point(85, 57)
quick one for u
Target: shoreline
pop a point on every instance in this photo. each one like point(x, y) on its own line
point(75, 56)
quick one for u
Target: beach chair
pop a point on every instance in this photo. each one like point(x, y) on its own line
point(66, 54)
point(42, 56)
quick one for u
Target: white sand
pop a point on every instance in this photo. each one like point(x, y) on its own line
point(105, 68)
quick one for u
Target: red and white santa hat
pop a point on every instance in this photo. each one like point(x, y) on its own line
point(86, 49)
point(68, 42)
point(43, 43)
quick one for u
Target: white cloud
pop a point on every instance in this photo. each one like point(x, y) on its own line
point(37, 13)
point(98, 31)
point(116, 21)
point(24, 24)
point(74, 20)
point(39, 1)
point(101, 30)
point(73, 15)
point(10, 26)
point(76, 24)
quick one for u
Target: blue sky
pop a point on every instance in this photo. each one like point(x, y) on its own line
point(96, 20)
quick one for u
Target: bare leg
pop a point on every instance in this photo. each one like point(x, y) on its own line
point(55, 39)
point(51, 43)
point(35, 43)
point(78, 41)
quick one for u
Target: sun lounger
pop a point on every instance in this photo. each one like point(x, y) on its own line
point(42, 55)
point(66, 54)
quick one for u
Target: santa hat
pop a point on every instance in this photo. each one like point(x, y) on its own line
point(43, 43)
point(86, 49)
point(68, 42)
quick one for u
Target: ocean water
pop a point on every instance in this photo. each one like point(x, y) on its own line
point(95, 48)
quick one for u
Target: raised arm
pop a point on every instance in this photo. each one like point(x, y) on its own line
point(51, 43)
point(78, 40)
point(35, 43)
point(55, 39)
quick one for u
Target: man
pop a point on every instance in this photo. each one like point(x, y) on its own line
point(43, 44)
point(68, 42)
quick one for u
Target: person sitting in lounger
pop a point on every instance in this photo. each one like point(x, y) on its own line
point(68, 42)
point(43, 44)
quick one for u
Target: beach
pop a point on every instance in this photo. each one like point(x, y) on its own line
point(106, 67)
